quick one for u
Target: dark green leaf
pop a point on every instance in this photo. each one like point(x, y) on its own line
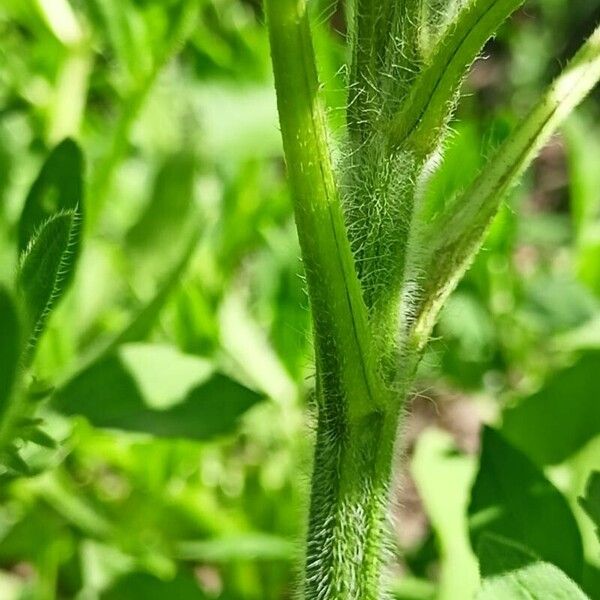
point(561, 418)
point(511, 572)
point(10, 342)
point(512, 498)
point(45, 268)
point(58, 188)
point(591, 501)
point(156, 390)
point(149, 587)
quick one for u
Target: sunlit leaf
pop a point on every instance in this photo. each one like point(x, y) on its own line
point(157, 390)
point(511, 572)
point(443, 477)
point(591, 501)
point(559, 419)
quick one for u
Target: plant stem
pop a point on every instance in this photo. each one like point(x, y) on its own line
point(342, 333)
point(345, 551)
point(357, 416)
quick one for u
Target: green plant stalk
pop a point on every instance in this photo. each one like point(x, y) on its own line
point(357, 419)
point(359, 392)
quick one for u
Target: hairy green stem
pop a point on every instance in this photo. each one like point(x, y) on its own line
point(356, 417)
point(347, 527)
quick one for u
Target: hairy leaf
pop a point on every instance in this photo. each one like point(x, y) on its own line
point(45, 268)
point(429, 105)
point(455, 238)
point(511, 572)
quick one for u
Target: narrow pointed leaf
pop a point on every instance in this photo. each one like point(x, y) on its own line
point(44, 270)
point(463, 231)
point(429, 104)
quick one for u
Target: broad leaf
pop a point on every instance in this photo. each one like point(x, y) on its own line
point(157, 390)
point(58, 188)
point(10, 347)
point(45, 268)
point(559, 419)
point(512, 498)
point(149, 587)
point(591, 501)
point(511, 572)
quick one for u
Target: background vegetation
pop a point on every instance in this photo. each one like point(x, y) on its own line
point(180, 356)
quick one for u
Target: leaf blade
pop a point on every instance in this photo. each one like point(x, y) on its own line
point(511, 572)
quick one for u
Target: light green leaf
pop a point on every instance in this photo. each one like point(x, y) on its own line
point(511, 572)
point(559, 419)
point(463, 230)
point(10, 347)
point(246, 546)
point(512, 498)
point(591, 501)
point(443, 477)
point(156, 389)
point(44, 270)
point(157, 235)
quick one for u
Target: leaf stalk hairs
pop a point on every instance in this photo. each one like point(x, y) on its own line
point(378, 265)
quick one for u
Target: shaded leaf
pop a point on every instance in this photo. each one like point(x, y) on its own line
point(45, 268)
point(512, 498)
point(58, 188)
point(156, 390)
point(591, 501)
point(511, 572)
point(149, 587)
point(10, 342)
point(561, 418)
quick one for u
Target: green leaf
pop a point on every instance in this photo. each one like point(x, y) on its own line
point(10, 347)
point(158, 233)
point(58, 188)
point(456, 235)
point(511, 572)
point(44, 270)
point(246, 546)
point(443, 477)
point(157, 390)
point(591, 501)
point(559, 419)
point(512, 498)
point(429, 106)
point(149, 587)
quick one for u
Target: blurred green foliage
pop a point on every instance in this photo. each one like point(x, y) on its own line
point(180, 354)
